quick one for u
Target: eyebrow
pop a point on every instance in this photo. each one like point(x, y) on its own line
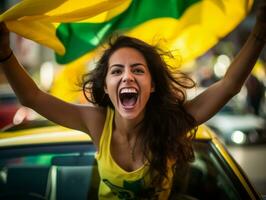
point(132, 65)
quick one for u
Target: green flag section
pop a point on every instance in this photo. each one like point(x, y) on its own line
point(74, 28)
point(38, 19)
point(139, 12)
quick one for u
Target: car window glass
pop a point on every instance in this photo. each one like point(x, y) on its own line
point(49, 172)
point(205, 178)
point(6, 99)
point(70, 172)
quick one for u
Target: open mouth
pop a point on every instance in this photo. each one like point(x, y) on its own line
point(128, 97)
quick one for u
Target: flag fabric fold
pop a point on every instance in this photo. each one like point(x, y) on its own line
point(74, 28)
point(38, 20)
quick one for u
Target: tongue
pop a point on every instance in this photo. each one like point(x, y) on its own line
point(129, 102)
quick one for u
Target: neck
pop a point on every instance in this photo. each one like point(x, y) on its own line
point(127, 127)
point(126, 131)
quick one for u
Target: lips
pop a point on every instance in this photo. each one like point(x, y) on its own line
point(128, 97)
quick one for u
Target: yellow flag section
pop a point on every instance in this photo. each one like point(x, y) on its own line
point(75, 28)
point(191, 35)
point(199, 29)
point(67, 83)
point(38, 19)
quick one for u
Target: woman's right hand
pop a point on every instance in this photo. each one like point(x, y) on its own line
point(4, 41)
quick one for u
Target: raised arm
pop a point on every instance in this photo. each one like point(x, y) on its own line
point(217, 95)
point(85, 118)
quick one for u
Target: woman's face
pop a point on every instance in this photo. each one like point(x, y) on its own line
point(128, 82)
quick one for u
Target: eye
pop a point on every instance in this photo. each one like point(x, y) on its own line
point(116, 71)
point(138, 71)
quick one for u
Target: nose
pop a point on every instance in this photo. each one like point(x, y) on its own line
point(128, 76)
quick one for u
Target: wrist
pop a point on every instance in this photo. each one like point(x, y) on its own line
point(6, 57)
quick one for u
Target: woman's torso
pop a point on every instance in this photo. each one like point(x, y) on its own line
point(120, 180)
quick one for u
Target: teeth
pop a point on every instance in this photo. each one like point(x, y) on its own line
point(128, 90)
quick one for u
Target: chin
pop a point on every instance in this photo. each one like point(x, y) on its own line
point(130, 115)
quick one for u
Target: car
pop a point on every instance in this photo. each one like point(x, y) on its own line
point(8, 106)
point(11, 111)
point(56, 163)
point(236, 126)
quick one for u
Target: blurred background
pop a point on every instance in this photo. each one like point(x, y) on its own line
point(241, 124)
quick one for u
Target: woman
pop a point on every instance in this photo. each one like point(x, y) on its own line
point(140, 118)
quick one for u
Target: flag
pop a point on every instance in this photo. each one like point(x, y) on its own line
point(75, 27)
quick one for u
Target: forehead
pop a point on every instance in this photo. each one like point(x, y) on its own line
point(126, 55)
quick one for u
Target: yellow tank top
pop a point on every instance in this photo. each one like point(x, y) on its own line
point(116, 183)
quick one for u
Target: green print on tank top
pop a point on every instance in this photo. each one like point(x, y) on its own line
point(132, 190)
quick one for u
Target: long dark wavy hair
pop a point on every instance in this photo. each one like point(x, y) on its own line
point(165, 127)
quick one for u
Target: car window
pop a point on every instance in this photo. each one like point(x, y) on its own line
point(234, 107)
point(226, 109)
point(49, 172)
point(69, 171)
point(8, 99)
point(208, 177)
point(36, 123)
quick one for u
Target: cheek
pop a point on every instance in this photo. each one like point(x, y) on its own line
point(148, 88)
point(105, 89)
point(152, 88)
point(110, 87)
point(107, 84)
point(150, 84)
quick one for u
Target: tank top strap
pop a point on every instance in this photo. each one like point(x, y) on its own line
point(106, 134)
